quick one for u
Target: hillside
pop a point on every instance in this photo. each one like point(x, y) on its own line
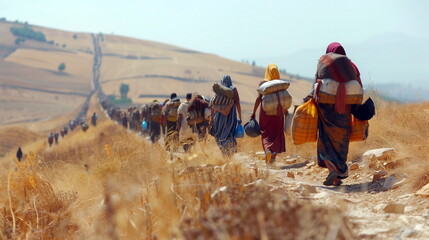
point(153, 69)
point(150, 68)
point(32, 88)
point(112, 183)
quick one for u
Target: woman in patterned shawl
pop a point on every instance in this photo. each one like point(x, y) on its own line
point(273, 138)
point(334, 131)
point(223, 127)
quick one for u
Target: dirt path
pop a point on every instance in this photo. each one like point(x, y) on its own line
point(361, 200)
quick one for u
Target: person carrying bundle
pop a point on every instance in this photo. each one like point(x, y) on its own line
point(198, 115)
point(171, 115)
point(186, 136)
point(274, 101)
point(154, 120)
point(224, 108)
point(334, 110)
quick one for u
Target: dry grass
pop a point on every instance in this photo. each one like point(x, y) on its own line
point(109, 183)
point(15, 136)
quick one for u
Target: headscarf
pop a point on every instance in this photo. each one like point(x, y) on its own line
point(272, 72)
point(336, 47)
point(226, 81)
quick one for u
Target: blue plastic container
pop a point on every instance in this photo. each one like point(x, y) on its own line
point(144, 126)
point(239, 131)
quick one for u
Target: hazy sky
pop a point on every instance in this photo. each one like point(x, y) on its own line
point(250, 29)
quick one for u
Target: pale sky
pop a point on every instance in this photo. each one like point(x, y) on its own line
point(261, 30)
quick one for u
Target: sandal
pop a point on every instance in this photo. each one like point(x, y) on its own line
point(268, 157)
point(338, 183)
point(330, 178)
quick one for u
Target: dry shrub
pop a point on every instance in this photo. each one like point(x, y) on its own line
point(228, 202)
point(34, 208)
point(405, 128)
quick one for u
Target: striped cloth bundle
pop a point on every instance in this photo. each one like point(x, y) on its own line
point(305, 123)
point(220, 99)
point(271, 101)
point(359, 130)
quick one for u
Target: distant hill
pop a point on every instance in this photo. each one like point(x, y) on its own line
point(33, 89)
point(396, 59)
point(402, 93)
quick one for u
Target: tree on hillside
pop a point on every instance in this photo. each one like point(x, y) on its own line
point(74, 36)
point(123, 89)
point(29, 33)
point(19, 40)
point(62, 67)
point(3, 19)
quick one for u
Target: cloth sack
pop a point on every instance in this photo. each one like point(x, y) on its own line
point(272, 100)
point(305, 123)
point(224, 109)
point(327, 91)
point(359, 130)
point(273, 86)
point(172, 112)
point(220, 99)
point(207, 113)
point(288, 123)
point(252, 128)
point(333, 63)
point(222, 90)
point(365, 111)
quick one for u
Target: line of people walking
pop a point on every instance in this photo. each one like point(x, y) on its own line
point(72, 124)
point(336, 95)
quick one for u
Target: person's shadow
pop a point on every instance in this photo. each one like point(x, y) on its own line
point(371, 187)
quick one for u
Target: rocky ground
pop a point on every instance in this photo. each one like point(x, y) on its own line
point(380, 205)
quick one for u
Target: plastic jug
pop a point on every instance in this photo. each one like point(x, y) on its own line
point(144, 126)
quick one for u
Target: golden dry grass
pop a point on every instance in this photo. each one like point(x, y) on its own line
point(109, 183)
point(15, 136)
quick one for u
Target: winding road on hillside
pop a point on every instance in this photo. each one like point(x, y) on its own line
point(95, 77)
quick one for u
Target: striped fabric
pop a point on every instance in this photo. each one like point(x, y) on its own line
point(271, 101)
point(305, 123)
point(359, 131)
point(222, 90)
point(220, 99)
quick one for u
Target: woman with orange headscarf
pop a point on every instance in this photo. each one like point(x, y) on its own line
point(273, 139)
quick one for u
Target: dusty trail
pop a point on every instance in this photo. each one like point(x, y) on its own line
point(95, 77)
point(361, 200)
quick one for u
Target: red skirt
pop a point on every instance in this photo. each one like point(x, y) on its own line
point(272, 131)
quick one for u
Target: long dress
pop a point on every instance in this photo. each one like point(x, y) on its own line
point(224, 128)
point(272, 127)
point(333, 141)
